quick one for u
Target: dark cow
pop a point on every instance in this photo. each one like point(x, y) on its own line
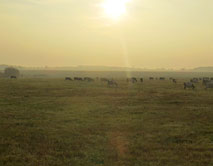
point(174, 81)
point(194, 80)
point(162, 78)
point(68, 79)
point(206, 78)
point(88, 79)
point(134, 80)
point(188, 85)
point(141, 79)
point(205, 81)
point(209, 85)
point(112, 83)
point(78, 79)
point(13, 77)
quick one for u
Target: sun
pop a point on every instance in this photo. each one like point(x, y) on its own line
point(114, 9)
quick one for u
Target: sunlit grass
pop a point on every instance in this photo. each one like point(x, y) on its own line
point(51, 122)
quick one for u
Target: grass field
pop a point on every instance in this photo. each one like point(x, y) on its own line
point(51, 122)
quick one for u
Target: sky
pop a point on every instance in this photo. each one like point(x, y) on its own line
point(146, 33)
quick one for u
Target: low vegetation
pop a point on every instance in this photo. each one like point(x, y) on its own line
point(53, 122)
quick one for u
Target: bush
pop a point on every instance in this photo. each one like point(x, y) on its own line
point(10, 71)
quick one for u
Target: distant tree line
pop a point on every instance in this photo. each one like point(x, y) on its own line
point(10, 71)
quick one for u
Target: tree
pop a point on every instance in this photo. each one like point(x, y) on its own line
point(10, 71)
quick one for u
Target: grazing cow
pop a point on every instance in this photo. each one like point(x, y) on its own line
point(209, 85)
point(112, 83)
point(174, 81)
point(194, 80)
point(141, 79)
point(78, 79)
point(151, 78)
point(188, 85)
point(68, 79)
point(13, 77)
point(162, 78)
point(205, 81)
point(88, 79)
point(211, 78)
point(133, 79)
point(206, 78)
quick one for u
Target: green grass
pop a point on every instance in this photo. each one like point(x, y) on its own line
point(51, 122)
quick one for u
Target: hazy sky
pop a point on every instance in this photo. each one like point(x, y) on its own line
point(151, 33)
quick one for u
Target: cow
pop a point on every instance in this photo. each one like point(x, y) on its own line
point(206, 78)
point(188, 85)
point(78, 79)
point(88, 79)
point(194, 80)
point(141, 79)
point(68, 79)
point(205, 81)
point(133, 79)
point(13, 77)
point(112, 83)
point(174, 81)
point(162, 78)
point(151, 78)
point(209, 85)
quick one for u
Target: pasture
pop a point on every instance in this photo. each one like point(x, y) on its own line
point(53, 122)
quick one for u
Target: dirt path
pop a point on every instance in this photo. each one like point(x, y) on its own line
point(119, 143)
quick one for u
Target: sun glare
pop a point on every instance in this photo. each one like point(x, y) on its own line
point(114, 9)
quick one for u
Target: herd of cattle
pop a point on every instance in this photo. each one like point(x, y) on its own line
point(206, 81)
